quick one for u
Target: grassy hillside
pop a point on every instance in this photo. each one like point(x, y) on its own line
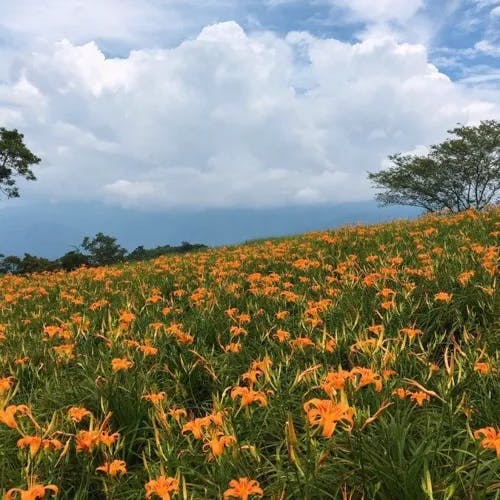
point(357, 363)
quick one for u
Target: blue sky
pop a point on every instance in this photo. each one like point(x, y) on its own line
point(163, 106)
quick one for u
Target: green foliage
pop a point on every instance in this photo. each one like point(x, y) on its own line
point(15, 161)
point(103, 250)
point(9, 264)
point(141, 253)
point(460, 173)
point(73, 260)
point(28, 264)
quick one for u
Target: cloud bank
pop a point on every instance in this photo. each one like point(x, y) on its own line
point(230, 118)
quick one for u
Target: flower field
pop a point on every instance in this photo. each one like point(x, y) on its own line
point(357, 363)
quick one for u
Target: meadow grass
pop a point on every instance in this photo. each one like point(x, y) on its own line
point(356, 363)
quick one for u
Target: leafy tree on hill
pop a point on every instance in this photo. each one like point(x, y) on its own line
point(73, 260)
point(103, 250)
point(9, 264)
point(139, 253)
point(33, 264)
point(15, 161)
point(460, 173)
point(28, 264)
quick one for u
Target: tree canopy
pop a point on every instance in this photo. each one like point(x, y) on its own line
point(460, 173)
point(103, 250)
point(15, 161)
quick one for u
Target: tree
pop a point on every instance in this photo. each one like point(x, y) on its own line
point(139, 253)
point(103, 250)
point(10, 264)
point(73, 260)
point(33, 264)
point(28, 264)
point(460, 173)
point(15, 160)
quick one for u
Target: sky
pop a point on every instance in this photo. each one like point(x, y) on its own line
point(222, 106)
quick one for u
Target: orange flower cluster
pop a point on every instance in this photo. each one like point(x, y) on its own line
point(418, 397)
point(358, 376)
point(35, 443)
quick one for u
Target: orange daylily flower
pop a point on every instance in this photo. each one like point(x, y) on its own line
point(126, 317)
point(166, 310)
point(108, 439)
point(64, 351)
point(376, 329)
point(243, 318)
point(335, 381)
point(237, 330)
point(443, 297)
point(330, 345)
point(34, 492)
point(217, 442)
point(118, 364)
point(232, 347)
point(162, 487)
point(5, 384)
point(281, 335)
point(36, 442)
point(184, 338)
point(156, 326)
point(178, 413)
point(411, 332)
point(400, 392)
point(52, 444)
point(465, 277)
point(78, 413)
point(98, 304)
point(243, 488)
point(419, 397)
point(217, 417)
point(482, 367)
point(196, 426)
point(148, 350)
point(113, 468)
point(326, 414)
point(231, 312)
point(263, 365)
point(22, 361)
point(282, 314)
point(367, 376)
point(7, 416)
point(290, 296)
point(387, 293)
point(249, 396)
point(301, 343)
point(155, 398)
point(491, 438)
point(251, 376)
point(388, 304)
point(86, 440)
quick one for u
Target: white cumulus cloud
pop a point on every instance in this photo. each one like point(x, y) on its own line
point(229, 118)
